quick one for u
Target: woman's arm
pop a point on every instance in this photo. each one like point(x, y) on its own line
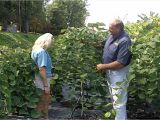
point(42, 72)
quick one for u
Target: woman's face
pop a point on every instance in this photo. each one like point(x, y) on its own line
point(50, 44)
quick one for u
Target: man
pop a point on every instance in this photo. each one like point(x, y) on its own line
point(116, 59)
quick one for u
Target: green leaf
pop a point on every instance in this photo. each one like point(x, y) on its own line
point(58, 68)
point(119, 83)
point(18, 101)
point(83, 75)
point(55, 76)
point(107, 114)
point(153, 70)
point(35, 114)
point(149, 100)
point(23, 111)
point(12, 83)
point(131, 77)
point(141, 96)
point(32, 105)
point(88, 105)
point(113, 112)
point(108, 105)
point(142, 81)
point(34, 99)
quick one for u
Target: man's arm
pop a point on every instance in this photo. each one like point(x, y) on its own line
point(110, 66)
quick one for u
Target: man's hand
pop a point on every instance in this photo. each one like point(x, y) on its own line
point(101, 67)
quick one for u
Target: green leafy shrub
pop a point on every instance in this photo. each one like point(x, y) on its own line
point(76, 54)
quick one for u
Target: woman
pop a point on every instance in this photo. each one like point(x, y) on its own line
point(43, 62)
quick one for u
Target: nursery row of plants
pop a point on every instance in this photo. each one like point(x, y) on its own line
point(75, 55)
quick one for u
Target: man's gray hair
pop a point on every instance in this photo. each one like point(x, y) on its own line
point(119, 24)
point(44, 41)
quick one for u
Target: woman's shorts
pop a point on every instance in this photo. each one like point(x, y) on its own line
point(39, 83)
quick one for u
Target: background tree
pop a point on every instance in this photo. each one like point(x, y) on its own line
point(23, 13)
point(67, 13)
point(6, 14)
point(30, 10)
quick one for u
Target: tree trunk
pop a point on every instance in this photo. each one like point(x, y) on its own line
point(26, 25)
point(19, 12)
point(5, 25)
point(26, 19)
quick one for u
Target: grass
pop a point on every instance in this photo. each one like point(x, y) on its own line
point(13, 40)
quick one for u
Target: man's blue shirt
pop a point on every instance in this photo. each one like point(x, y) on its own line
point(117, 49)
point(42, 59)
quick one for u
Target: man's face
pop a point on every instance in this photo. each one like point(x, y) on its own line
point(113, 29)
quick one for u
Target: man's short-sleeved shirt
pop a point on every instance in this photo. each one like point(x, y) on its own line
point(117, 49)
point(42, 59)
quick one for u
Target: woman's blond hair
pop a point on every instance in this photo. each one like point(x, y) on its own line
point(44, 41)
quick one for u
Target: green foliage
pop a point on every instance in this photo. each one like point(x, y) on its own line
point(67, 13)
point(18, 94)
point(145, 71)
point(17, 39)
point(76, 54)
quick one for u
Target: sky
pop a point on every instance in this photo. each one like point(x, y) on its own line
point(128, 10)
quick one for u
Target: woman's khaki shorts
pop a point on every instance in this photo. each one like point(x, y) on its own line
point(39, 83)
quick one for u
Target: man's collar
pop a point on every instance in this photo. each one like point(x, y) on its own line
point(118, 36)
